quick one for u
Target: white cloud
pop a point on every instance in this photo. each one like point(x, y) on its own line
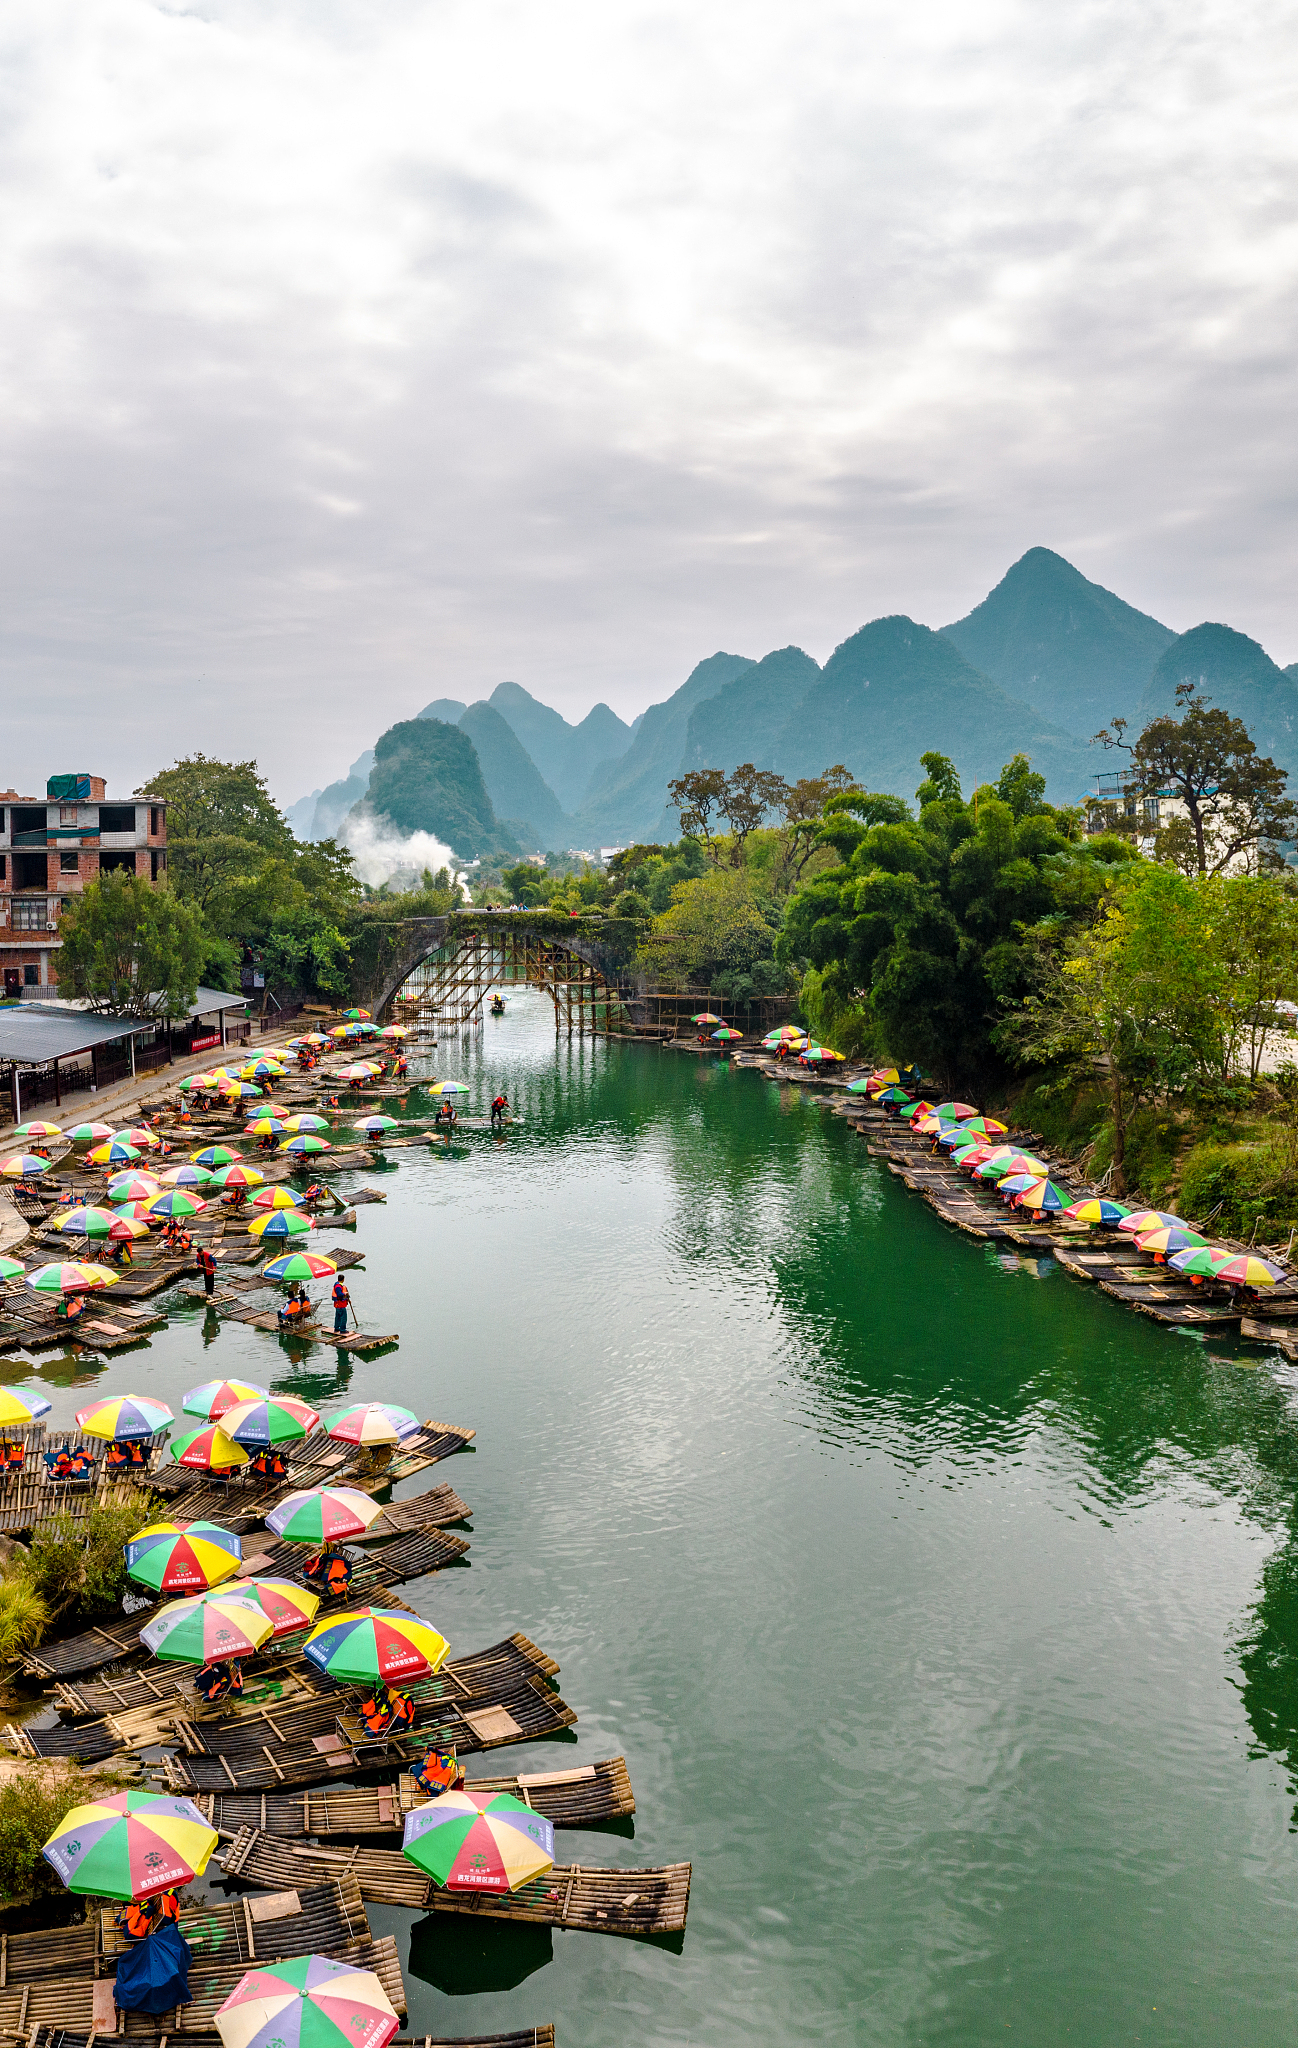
point(356, 356)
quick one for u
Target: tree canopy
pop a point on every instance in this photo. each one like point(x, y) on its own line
point(130, 949)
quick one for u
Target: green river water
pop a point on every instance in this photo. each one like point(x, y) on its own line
point(943, 1609)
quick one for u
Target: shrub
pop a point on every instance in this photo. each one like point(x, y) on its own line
point(31, 1807)
point(79, 1566)
point(24, 1615)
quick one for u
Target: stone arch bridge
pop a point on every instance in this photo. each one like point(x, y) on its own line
point(443, 968)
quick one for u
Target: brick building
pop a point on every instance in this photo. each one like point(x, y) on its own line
point(50, 847)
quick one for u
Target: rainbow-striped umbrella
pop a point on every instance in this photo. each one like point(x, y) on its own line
point(1245, 1270)
point(1012, 1184)
point(239, 1176)
point(281, 1223)
point(1170, 1237)
point(186, 1176)
point(1042, 1196)
point(133, 1187)
point(124, 1418)
point(274, 1198)
point(374, 1422)
point(323, 1514)
point(1202, 1262)
point(139, 1134)
point(175, 1202)
point(38, 1130)
point(18, 1408)
point(955, 1112)
point(269, 1419)
point(89, 1134)
point(220, 1626)
point(299, 1266)
point(1096, 1209)
point(374, 1126)
point(208, 1449)
point(996, 1169)
point(114, 1153)
point(198, 1081)
point(360, 1070)
point(309, 2002)
point(84, 1222)
point(1139, 1220)
point(396, 1031)
point(376, 1643)
point(479, 1841)
point(179, 1557)
point(130, 1845)
point(262, 1070)
point(288, 1606)
point(359, 1016)
point(215, 1155)
point(264, 1127)
point(10, 1269)
point(211, 1400)
point(24, 1166)
point(449, 1088)
point(306, 1143)
point(239, 1091)
point(68, 1276)
point(725, 1033)
point(305, 1121)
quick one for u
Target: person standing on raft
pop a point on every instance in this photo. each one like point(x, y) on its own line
point(498, 1108)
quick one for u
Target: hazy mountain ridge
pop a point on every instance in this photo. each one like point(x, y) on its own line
point(1237, 675)
point(518, 790)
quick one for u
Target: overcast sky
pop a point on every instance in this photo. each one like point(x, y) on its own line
point(359, 354)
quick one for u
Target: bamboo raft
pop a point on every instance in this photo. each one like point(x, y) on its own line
point(325, 1918)
point(598, 1899)
point(499, 1696)
point(582, 1797)
point(85, 2004)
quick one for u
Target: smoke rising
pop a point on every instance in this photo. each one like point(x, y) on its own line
point(379, 852)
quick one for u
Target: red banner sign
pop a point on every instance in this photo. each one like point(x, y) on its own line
point(201, 1044)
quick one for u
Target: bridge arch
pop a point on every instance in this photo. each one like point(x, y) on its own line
point(443, 968)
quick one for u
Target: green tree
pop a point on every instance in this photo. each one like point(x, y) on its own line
point(222, 823)
point(1234, 797)
point(130, 948)
point(714, 925)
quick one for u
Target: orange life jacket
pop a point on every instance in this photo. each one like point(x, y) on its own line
point(338, 1575)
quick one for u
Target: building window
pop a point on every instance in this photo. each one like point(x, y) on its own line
point(31, 975)
point(155, 820)
point(1151, 810)
point(4, 867)
point(68, 814)
point(117, 817)
point(29, 916)
point(67, 864)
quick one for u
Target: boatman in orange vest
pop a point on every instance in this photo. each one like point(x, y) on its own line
point(207, 1267)
point(342, 1302)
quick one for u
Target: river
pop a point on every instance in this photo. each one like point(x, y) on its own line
point(944, 1610)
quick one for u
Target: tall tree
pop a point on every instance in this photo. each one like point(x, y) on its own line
point(221, 822)
point(130, 949)
point(1234, 797)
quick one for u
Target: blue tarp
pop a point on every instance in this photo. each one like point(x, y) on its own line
point(154, 1975)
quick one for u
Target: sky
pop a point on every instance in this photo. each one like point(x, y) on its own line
point(357, 355)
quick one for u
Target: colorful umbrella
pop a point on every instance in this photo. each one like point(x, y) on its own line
point(374, 1126)
point(239, 1091)
point(1138, 1220)
point(954, 1112)
point(133, 1187)
point(208, 1449)
point(177, 1557)
point(200, 1081)
point(359, 1016)
point(175, 1202)
point(885, 1076)
point(891, 1095)
point(10, 1269)
point(726, 1033)
point(37, 1129)
point(449, 1088)
point(287, 1606)
point(304, 1121)
point(362, 1031)
point(338, 1031)
point(124, 1418)
point(374, 1422)
point(1169, 1238)
point(860, 1087)
point(215, 1628)
point(1247, 1271)
point(83, 1222)
point(822, 1053)
point(479, 1841)
point(705, 1017)
point(68, 1276)
point(1203, 1262)
point(215, 1155)
point(264, 1127)
point(186, 1176)
point(1096, 1209)
point(986, 1126)
point(24, 1166)
point(18, 1408)
point(314, 1038)
point(307, 1143)
point(360, 1070)
point(1016, 1184)
point(993, 1168)
point(269, 1419)
point(89, 1134)
point(1043, 1195)
point(395, 1031)
point(238, 1176)
point(281, 1223)
point(307, 2003)
point(262, 1070)
point(130, 1845)
point(138, 1212)
point(211, 1400)
point(274, 1198)
point(376, 1643)
point(299, 1266)
point(141, 1135)
point(115, 1153)
point(323, 1514)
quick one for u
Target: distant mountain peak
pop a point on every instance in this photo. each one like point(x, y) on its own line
point(1061, 643)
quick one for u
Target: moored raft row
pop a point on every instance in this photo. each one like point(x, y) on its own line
point(604, 1901)
point(584, 1796)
